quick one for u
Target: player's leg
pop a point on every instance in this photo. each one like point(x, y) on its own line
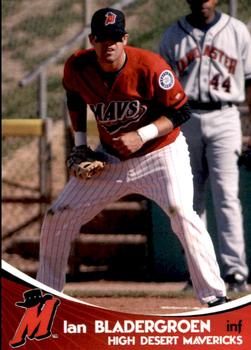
point(170, 186)
point(193, 133)
point(223, 150)
point(78, 203)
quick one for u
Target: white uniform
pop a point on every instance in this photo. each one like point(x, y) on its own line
point(81, 200)
point(212, 66)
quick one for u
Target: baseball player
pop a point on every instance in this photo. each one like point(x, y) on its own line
point(138, 104)
point(211, 54)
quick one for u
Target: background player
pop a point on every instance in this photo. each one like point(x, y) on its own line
point(138, 104)
point(211, 54)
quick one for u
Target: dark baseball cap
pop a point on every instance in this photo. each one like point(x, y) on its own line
point(108, 23)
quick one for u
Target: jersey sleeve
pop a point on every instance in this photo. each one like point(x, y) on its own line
point(167, 45)
point(78, 111)
point(246, 53)
point(165, 52)
point(68, 76)
point(167, 88)
point(76, 105)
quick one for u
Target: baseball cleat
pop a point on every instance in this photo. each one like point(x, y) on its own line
point(218, 301)
point(236, 283)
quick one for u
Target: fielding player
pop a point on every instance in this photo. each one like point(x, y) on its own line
point(211, 54)
point(138, 104)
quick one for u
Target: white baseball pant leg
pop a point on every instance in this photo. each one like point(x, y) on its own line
point(79, 202)
point(214, 150)
point(165, 177)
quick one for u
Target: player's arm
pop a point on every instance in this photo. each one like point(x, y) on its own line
point(248, 95)
point(82, 161)
point(170, 119)
point(77, 107)
point(166, 49)
point(247, 139)
point(78, 114)
point(245, 40)
point(171, 107)
point(131, 142)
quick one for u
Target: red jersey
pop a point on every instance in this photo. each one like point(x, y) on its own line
point(139, 95)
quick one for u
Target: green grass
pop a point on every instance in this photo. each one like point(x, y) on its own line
point(244, 10)
point(10, 6)
point(21, 102)
point(56, 97)
point(164, 13)
point(50, 26)
point(23, 35)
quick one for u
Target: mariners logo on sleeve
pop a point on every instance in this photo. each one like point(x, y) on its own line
point(166, 80)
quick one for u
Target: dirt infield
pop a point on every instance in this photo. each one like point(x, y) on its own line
point(134, 297)
point(137, 297)
point(146, 305)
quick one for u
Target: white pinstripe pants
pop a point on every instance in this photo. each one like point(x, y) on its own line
point(163, 176)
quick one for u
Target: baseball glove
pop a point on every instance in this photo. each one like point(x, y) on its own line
point(83, 162)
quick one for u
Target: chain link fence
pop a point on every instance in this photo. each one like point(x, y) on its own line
point(32, 31)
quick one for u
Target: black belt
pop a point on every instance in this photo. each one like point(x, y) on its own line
point(209, 105)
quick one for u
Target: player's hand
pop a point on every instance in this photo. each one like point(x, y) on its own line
point(84, 163)
point(127, 143)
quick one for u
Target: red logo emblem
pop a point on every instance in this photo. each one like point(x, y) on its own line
point(38, 317)
point(110, 18)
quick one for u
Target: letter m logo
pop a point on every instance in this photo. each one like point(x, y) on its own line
point(37, 320)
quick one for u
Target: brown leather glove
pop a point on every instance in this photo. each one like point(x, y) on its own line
point(84, 163)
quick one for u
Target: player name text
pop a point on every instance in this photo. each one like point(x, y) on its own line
point(151, 326)
point(74, 328)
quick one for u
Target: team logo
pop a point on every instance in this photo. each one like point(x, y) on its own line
point(166, 80)
point(118, 115)
point(110, 18)
point(38, 317)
